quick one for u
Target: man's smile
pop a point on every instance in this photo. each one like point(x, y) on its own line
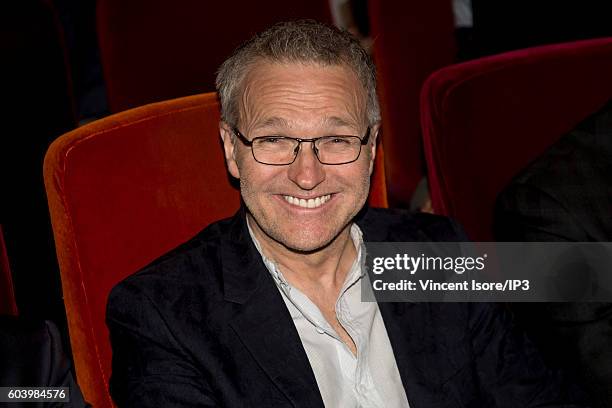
point(307, 203)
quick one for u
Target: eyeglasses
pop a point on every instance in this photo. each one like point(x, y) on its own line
point(282, 150)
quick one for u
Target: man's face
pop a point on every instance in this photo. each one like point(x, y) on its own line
point(302, 101)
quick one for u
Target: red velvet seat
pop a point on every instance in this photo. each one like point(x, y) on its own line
point(123, 191)
point(411, 40)
point(485, 120)
point(154, 50)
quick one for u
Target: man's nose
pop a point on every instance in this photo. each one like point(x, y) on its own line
point(306, 171)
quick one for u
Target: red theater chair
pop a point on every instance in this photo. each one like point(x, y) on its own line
point(485, 120)
point(411, 40)
point(123, 191)
point(154, 50)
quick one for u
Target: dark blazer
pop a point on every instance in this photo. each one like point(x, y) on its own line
point(566, 195)
point(206, 326)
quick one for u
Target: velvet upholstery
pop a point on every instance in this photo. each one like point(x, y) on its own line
point(486, 119)
point(7, 294)
point(411, 40)
point(154, 50)
point(123, 191)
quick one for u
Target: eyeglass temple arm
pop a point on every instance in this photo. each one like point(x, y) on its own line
point(242, 138)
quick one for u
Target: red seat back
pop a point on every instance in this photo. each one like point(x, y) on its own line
point(411, 40)
point(154, 50)
point(485, 120)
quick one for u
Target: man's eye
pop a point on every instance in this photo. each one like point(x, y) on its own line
point(338, 140)
point(270, 140)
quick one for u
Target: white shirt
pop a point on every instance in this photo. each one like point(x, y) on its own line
point(370, 379)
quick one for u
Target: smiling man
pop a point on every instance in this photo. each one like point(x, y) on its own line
point(264, 309)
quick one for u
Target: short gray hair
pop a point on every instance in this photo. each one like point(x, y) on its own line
point(301, 41)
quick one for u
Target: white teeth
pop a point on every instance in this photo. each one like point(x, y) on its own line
point(310, 203)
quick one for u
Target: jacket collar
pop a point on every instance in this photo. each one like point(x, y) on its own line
point(242, 265)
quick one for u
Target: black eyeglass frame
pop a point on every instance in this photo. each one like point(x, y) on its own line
point(249, 143)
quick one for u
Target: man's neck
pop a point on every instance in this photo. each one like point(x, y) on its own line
point(324, 269)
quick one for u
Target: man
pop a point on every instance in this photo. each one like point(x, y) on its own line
point(264, 309)
point(566, 196)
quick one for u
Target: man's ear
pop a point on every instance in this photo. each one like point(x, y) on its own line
point(373, 139)
point(229, 148)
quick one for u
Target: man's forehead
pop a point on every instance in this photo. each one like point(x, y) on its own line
point(323, 85)
point(296, 73)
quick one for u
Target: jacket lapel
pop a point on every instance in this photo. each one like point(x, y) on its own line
point(406, 327)
point(263, 322)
